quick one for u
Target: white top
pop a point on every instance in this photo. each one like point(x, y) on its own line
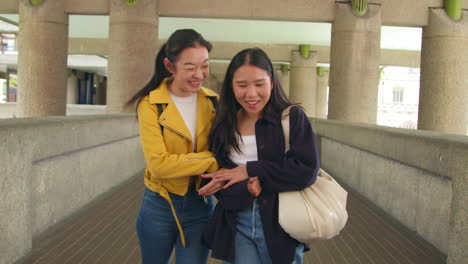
point(248, 147)
point(187, 107)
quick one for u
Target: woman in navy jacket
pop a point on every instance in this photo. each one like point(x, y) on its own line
point(248, 142)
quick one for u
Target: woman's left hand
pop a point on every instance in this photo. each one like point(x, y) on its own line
point(230, 176)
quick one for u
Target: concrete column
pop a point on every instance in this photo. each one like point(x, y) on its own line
point(8, 88)
point(42, 59)
point(303, 81)
point(443, 98)
point(219, 81)
point(72, 89)
point(354, 64)
point(283, 76)
point(212, 83)
point(89, 88)
point(100, 98)
point(132, 51)
point(322, 93)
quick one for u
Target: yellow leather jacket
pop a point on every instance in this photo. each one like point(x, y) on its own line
point(170, 162)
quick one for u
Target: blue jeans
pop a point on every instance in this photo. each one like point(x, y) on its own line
point(158, 233)
point(250, 244)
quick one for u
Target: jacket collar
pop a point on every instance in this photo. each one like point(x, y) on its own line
point(171, 117)
point(272, 117)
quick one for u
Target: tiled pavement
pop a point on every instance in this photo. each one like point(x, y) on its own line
point(104, 232)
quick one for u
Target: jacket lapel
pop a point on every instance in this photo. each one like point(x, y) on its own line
point(205, 112)
point(170, 117)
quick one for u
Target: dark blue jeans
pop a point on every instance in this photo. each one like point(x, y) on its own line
point(157, 230)
point(250, 242)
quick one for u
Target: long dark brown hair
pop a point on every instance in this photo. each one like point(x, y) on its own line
point(223, 132)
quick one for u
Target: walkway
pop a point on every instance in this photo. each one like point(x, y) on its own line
point(104, 232)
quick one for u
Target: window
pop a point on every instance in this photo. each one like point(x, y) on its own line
point(398, 95)
point(7, 42)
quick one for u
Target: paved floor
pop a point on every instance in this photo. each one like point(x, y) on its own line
point(104, 232)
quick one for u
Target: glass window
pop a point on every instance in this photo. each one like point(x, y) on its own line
point(398, 95)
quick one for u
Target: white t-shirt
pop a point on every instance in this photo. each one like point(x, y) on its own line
point(248, 147)
point(187, 107)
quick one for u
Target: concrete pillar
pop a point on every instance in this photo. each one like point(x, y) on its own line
point(132, 51)
point(283, 76)
point(303, 81)
point(354, 64)
point(443, 98)
point(212, 83)
point(72, 88)
point(219, 81)
point(89, 88)
point(81, 86)
point(42, 59)
point(100, 98)
point(8, 88)
point(322, 93)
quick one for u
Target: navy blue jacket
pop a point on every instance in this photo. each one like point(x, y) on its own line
point(278, 172)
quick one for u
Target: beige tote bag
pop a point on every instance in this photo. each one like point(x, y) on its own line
point(319, 211)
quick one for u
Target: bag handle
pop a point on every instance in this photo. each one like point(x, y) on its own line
point(285, 125)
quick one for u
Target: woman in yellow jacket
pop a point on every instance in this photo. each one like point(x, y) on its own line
point(175, 115)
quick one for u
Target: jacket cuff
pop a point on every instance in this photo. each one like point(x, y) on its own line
point(254, 169)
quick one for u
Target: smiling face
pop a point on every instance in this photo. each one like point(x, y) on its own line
point(252, 88)
point(189, 71)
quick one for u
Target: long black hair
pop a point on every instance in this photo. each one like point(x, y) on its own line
point(223, 132)
point(177, 42)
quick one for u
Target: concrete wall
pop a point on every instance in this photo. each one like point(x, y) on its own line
point(8, 110)
point(418, 177)
point(80, 109)
point(51, 167)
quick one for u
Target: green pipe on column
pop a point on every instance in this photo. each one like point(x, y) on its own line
point(381, 72)
point(131, 2)
point(304, 50)
point(320, 71)
point(284, 68)
point(453, 9)
point(359, 7)
point(36, 2)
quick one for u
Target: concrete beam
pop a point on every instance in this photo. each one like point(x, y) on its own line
point(218, 68)
point(89, 46)
point(394, 12)
point(276, 52)
point(87, 7)
point(404, 58)
point(292, 10)
point(9, 7)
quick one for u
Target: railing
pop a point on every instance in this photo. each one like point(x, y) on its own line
point(51, 167)
point(8, 110)
point(418, 177)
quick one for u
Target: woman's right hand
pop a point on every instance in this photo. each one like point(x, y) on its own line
point(211, 188)
point(254, 186)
